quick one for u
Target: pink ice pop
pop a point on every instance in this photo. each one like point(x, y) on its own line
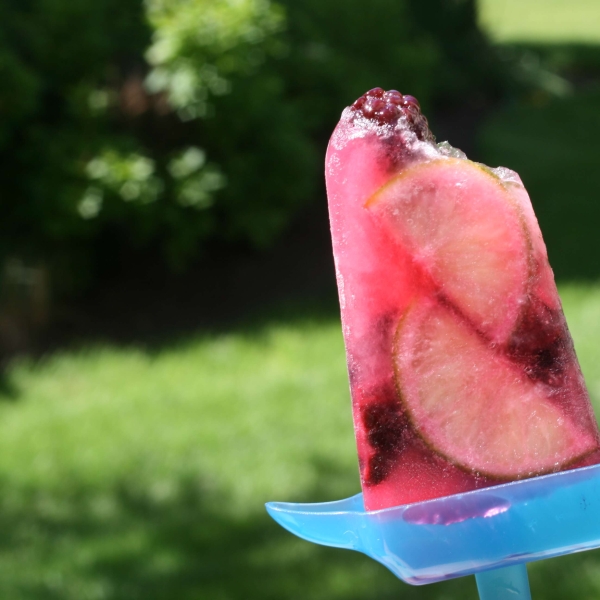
point(462, 370)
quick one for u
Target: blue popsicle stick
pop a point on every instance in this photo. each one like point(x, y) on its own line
point(491, 532)
point(503, 584)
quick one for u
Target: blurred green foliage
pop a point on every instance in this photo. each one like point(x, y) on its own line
point(56, 61)
point(198, 45)
point(171, 122)
point(560, 180)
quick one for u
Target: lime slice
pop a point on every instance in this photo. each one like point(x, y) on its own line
point(474, 406)
point(467, 231)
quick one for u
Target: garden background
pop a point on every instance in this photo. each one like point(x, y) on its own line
point(171, 348)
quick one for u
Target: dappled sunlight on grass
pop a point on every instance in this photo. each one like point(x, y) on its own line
point(232, 407)
point(131, 473)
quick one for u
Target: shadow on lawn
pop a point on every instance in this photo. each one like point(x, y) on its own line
point(123, 544)
point(8, 391)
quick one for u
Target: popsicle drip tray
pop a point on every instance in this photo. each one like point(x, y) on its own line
point(468, 533)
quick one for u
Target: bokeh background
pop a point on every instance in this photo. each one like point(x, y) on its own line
point(170, 341)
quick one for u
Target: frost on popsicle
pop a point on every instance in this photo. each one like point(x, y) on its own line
point(462, 370)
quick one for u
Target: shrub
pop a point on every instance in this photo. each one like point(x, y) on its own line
point(173, 122)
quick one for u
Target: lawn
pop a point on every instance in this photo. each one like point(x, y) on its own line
point(141, 473)
point(541, 20)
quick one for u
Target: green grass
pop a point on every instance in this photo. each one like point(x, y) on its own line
point(541, 20)
point(128, 473)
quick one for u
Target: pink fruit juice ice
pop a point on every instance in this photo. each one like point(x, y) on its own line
point(462, 370)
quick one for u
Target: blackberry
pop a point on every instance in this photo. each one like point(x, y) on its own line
point(386, 426)
point(541, 344)
point(386, 108)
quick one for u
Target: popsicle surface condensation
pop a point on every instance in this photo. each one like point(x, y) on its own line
point(462, 370)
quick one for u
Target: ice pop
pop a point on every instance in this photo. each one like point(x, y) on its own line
point(462, 370)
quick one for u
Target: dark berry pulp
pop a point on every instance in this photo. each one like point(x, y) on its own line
point(391, 106)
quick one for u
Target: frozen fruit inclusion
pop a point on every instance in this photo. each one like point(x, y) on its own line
point(462, 370)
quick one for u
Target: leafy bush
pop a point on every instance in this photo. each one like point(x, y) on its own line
point(56, 58)
point(173, 122)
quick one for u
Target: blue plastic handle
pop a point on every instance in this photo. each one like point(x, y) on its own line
point(472, 533)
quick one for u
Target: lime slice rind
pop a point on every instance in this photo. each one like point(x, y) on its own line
point(466, 230)
point(474, 406)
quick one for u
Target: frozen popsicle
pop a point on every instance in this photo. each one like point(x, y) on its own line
point(462, 370)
